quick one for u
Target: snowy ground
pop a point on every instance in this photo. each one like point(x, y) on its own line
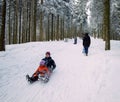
point(77, 78)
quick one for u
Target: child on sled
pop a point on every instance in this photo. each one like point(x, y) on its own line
point(47, 65)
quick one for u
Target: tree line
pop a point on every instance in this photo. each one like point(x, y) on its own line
point(34, 20)
point(24, 21)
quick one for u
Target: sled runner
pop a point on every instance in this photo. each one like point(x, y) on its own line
point(43, 79)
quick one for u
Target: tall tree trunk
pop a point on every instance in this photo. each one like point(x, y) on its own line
point(41, 24)
point(52, 27)
point(57, 31)
point(104, 24)
point(20, 16)
point(60, 28)
point(107, 24)
point(27, 23)
point(23, 23)
point(35, 11)
point(31, 21)
point(2, 36)
point(71, 27)
point(48, 28)
point(15, 22)
point(9, 24)
point(63, 27)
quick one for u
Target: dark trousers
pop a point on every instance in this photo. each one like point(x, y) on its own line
point(34, 78)
point(86, 50)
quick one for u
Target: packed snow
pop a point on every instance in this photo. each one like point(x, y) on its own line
point(77, 78)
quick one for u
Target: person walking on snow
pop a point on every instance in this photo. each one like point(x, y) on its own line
point(86, 43)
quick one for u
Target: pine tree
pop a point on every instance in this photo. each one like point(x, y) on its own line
point(107, 24)
point(2, 35)
point(41, 24)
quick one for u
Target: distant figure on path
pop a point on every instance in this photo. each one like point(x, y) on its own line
point(86, 43)
point(75, 40)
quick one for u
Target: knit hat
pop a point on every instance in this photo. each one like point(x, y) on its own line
point(42, 62)
point(48, 53)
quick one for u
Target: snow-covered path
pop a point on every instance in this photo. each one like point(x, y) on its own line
point(77, 78)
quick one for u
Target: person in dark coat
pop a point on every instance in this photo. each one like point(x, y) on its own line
point(75, 40)
point(86, 43)
point(49, 62)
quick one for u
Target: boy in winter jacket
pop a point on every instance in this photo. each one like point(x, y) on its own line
point(49, 62)
point(86, 43)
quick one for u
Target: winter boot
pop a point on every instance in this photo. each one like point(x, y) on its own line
point(28, 78)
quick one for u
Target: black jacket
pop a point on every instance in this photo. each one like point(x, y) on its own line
point(86, 41)
point(49, 62)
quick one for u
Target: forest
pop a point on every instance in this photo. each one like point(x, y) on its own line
point(24, 21)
